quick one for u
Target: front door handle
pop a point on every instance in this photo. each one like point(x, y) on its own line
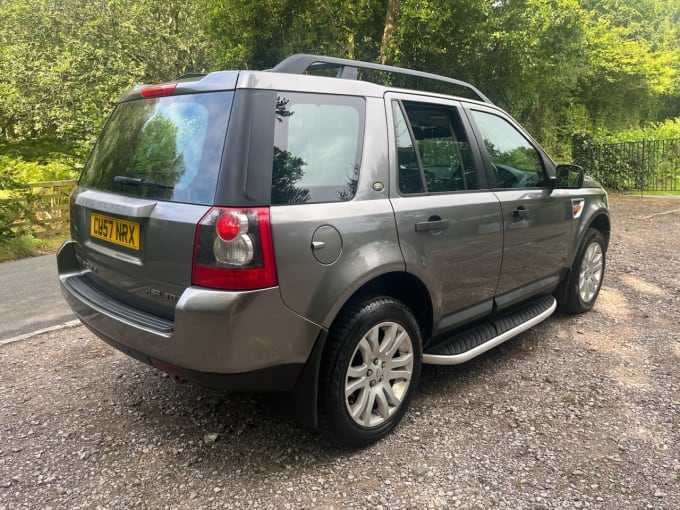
point(432, 224)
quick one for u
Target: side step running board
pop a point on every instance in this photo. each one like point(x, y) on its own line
point(479, 339)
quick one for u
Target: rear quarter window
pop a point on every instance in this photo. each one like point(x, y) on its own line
point(167, 148)
point(318, 141)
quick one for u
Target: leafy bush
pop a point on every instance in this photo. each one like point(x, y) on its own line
point(666, 130)
point(21, 246)
point(16, 207)
point(29, 166)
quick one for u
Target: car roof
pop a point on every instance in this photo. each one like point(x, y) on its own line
point(292, 75)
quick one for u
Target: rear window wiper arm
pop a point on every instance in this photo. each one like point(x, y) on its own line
point(136, 181)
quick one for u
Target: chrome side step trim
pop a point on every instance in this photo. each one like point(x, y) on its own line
point(457, 359)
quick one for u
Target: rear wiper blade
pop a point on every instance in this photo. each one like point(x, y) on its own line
point(136, 181)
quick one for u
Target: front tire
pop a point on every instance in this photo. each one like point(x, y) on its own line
point(369, 371)
point(585, 280)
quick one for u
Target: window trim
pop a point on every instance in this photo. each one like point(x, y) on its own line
point(421, 169)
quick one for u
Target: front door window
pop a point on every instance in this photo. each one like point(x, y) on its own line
point(516, 163)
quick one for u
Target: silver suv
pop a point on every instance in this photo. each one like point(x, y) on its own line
point(324, 236)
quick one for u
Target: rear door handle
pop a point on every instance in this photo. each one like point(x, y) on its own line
point(433, 224)
point(520, 213)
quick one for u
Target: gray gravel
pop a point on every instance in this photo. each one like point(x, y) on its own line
point(579, 412)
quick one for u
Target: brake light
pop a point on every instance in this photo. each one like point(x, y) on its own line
point(233, 250)
point(231, 224)
point(165, 89)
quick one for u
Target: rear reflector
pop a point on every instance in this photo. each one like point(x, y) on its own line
point(165, 367)
point(164, 89)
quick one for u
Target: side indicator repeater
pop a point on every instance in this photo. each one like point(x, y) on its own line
point(577, 207)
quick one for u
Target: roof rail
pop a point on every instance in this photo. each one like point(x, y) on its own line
point(301, 62)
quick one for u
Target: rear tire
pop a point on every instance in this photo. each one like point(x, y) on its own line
point(369, 371)
point(585, 280)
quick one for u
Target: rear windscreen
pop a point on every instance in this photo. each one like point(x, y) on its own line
point(167, 148)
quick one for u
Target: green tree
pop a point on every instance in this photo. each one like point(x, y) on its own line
point(64, 62)
point(260, 33)
point(559, 66)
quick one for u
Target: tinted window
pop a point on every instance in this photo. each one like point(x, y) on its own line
point(317, 148)
point(517, 164)
point(433, 152)
point(167, 148)
point(410, 178)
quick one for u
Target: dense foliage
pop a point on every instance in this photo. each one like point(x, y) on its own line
point(562, 67)
point(16, 206)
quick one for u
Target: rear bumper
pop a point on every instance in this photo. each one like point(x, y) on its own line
point(239, 340)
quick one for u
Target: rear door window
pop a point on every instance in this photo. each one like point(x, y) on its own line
point(433, 152)
point(317, 148)
point(167, 148)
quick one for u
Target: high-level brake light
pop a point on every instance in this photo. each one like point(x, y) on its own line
point(165, 89)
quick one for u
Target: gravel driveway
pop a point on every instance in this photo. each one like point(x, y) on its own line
point(579, 412)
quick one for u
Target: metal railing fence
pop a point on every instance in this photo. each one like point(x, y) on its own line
point(650, 165)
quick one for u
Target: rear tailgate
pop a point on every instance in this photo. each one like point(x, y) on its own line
point(137, 251)
point(148, 182)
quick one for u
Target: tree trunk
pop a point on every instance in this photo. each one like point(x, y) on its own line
point(350, 45)
point(388, 31)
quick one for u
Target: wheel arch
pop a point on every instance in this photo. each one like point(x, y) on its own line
point(602, 223)
point(599, 220)
point(302, 401)
point(403, 286)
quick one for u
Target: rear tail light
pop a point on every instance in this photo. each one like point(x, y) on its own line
point(234, 250)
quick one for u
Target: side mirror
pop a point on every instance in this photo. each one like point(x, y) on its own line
point(569, 176)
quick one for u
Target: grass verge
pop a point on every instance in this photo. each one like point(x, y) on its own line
point(28, 245)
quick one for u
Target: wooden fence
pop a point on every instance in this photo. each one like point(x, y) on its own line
point(49, 203)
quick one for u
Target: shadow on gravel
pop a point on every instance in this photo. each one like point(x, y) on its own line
point(206, 428)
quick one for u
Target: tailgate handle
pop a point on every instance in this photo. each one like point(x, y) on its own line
point(434, 223)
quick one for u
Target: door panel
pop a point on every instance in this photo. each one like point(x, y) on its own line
point(449, 227)
point(458, 262)
point(537, 228)
point(537, 222)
